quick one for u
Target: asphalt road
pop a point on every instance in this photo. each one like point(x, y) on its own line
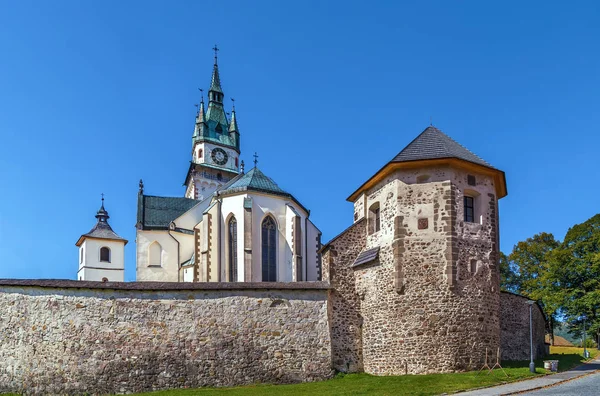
point(587, 385)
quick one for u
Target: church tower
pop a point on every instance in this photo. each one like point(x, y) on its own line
point(101, 252)
point(215, 144)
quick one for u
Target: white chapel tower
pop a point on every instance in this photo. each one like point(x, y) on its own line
point(101, 252)
point(215, 144)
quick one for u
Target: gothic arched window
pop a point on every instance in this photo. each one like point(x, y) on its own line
point(232, 234)
point(155, 255)
point(269, 252)
point(105, 254)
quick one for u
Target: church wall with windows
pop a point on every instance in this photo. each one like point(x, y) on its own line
point(147, 268)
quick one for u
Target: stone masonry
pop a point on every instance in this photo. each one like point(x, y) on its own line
point(430, 301)
point(514, 331)
point(69, 337)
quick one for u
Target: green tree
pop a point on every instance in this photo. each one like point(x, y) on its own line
point(529, 259)
point(509, 275)
point(574, 276)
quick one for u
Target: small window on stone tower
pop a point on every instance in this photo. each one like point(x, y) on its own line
point(236, 161)
point(422, 179)
point(471, 180)
point(374, 218)
point(218, 128)
point(200, 153)
point(469, 210)
point(105, 254)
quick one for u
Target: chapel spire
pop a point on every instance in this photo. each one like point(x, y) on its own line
point(102, 214)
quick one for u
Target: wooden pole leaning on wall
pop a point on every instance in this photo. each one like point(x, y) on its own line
point(498, 364)
point(485, 365)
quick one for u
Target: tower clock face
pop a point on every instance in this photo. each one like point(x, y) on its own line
point(219, 156)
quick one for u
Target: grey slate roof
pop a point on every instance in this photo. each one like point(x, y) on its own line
point(103, 230)
point(435, 144)
point(254, 180)
point(158, 212)
point(366, 256)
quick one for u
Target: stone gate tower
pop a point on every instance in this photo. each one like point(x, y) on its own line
point(415, 278)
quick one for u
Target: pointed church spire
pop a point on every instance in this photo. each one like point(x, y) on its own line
point(233, 127)
point(201, 117)
point(215, 93)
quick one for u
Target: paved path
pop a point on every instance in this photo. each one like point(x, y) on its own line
point(548, 380)
point(588, 385)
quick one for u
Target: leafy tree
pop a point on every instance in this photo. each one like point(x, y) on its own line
point(529, 260)
point(573, 276)
point(509, 275)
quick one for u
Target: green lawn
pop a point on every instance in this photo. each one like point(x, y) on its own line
point(364, 384)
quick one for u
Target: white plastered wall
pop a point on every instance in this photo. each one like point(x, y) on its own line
point(91, 268)
point(232, 206)
point(168, 271)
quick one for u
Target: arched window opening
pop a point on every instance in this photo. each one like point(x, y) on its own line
point(374, 218)
point(155, 255)
point(81, 255)
point(200, 153)
point(219, 177)
point(105, 254)
point(269, 252)
point(232, 229)
point(236, 161)
point(422, 179)
point(219, 128)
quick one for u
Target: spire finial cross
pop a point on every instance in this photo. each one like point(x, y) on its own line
point(233, 104)
point(255, 159)
point(102, 197)
point(216, 49)
point(201, 95)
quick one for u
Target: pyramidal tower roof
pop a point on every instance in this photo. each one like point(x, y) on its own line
point(434, 147)
point(435, 144)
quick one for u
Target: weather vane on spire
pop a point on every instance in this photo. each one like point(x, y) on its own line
point(216, 49)
point(255, 159)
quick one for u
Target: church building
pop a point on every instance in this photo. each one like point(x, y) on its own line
point(230, 226)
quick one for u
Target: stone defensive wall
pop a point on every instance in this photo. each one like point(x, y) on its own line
point(74, 337)
point(514, 329)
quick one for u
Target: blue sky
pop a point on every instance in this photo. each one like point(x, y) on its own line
point(96, 95)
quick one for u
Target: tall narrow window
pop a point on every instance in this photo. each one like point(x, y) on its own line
point(374, 218)
point(269, 252)
point(200, 153)
point(469, 210)
point(233, 276)
point(155, 255)
point(105, 254)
